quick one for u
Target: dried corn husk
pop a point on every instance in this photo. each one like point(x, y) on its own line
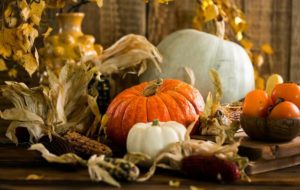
point(100, 168)
point(130, 51)
point(62, 106)
point(33, 110)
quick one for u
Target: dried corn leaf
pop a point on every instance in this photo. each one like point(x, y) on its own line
point(191, 75)
point(128, 52)
point(92, 102)
point(33, 110)
point(20, 115)
point(69, 92)
point(94, 164)
point(68, 158)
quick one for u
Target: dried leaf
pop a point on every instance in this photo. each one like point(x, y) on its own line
point(211, 12)
point(68, 158)
point(48, 32)
point(99, 2)
point(191, 75)
point(130, 51)
point(218, 92)
point(35, 130)
point(192, 187)
point(266, 48)
point(208, 106)
point(258, 60)
point(36, 10)
point(33, 110)
point(92, 102)
point(34, 177)
point(10, 16)
point(247, 44)
point(30, 63)
point(5, 48)
point(174, 183)
point(26, 35)
point(20, 115)
point(25, 10)
point(13, 73)
point(2, 65)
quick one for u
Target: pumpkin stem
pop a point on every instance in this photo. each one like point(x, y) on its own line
point(155, 122)
point(151, 89)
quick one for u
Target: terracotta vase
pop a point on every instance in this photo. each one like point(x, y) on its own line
point(69, 45)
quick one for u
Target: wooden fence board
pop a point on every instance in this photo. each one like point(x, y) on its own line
point(295, 43)
point(114, 20)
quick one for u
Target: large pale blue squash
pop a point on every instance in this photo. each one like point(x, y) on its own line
point(200, 52)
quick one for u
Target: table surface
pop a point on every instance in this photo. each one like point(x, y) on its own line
point(16, 163)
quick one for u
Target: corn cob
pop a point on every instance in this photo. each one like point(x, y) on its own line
point(210, 167)
point(85, 146)
point(57, 145)
point(120, 169)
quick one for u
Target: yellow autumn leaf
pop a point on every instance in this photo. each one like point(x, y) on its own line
point(30, 63)
point(247, 44)
point(266, 48)
point(13, 73)
point(36, 11)
point(211, 12)
point(258, 60)
point(239, 36)
point(2, 65)
point(18, 55)
point(5, 49)
point(47, 33)
point(10, 16)
point(26, 35)
point(98, 2)
point(206, 3)
point(25, 10)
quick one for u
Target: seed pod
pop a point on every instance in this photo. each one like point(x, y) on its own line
point(85, 146)
point(210, 167)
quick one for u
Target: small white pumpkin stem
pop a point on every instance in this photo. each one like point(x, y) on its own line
point(155, 122)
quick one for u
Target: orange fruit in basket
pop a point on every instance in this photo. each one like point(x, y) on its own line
point(257, 103)
point(285, 109)
point(287, 91)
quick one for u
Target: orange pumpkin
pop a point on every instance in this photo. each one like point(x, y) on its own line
point(165, 100)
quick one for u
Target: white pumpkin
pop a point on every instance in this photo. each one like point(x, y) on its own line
point(200, 52)
point(150, 138)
